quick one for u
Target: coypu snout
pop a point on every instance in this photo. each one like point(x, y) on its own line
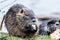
point(31, 28)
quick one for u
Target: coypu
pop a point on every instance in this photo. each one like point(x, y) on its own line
point(48, 25)
point(20, 21)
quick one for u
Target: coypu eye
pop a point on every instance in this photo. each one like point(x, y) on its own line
point(21, 11)
point(59, 20)
point(33, 20)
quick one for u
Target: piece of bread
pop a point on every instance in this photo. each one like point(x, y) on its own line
point(55, 35)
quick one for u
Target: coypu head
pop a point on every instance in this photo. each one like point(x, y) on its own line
point(49, 25)
point(26, 17)
point(23, 18)
point(53, 24)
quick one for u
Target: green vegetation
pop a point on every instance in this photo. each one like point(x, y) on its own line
point(5, 36)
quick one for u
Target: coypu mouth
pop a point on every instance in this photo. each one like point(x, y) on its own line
point(31, 29)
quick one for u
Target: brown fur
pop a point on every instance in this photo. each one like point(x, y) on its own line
point(17, 19)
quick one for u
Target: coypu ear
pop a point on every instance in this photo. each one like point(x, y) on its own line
point(51, 22)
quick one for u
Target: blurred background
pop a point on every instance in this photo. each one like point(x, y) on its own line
point(46, 8)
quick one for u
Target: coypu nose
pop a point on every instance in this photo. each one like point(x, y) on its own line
point(34, 27)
